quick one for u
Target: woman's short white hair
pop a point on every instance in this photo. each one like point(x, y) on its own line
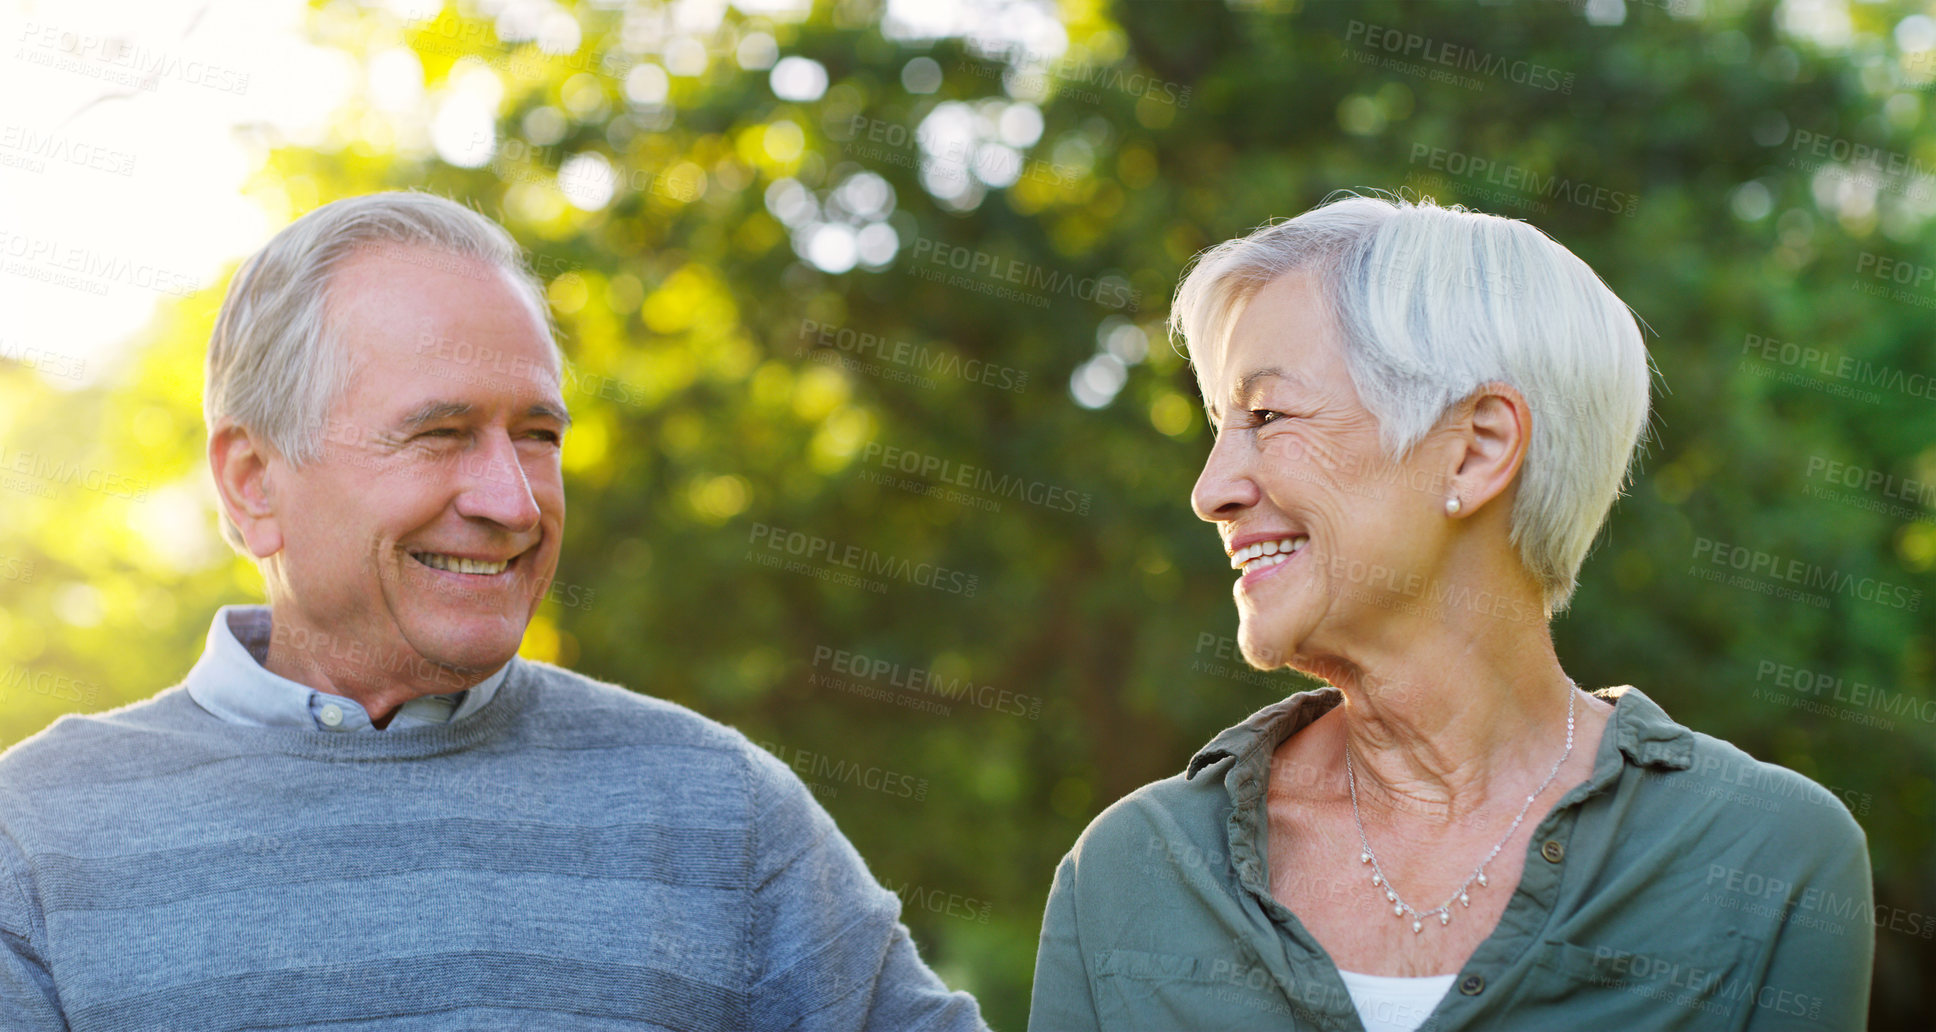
point(1433, 302)
point(274, 366)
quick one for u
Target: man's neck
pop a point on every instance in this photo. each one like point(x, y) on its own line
point(339, 664)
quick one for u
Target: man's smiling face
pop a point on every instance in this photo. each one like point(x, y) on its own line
point(429, 527)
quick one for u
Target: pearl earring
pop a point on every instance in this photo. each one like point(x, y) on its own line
point(1452, 506)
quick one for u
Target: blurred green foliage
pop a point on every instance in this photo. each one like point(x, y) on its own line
point(729, 389)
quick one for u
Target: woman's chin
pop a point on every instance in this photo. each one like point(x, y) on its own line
point(1265, 643)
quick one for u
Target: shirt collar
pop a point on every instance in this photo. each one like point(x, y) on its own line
point(1639, 728)
point(231, 682)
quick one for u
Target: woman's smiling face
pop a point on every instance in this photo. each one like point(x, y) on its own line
point(1335, 540)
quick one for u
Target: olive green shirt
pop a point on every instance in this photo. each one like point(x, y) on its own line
point(1684, 885)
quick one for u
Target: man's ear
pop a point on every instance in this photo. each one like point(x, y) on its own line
point(1496, 430)
point(240, 463)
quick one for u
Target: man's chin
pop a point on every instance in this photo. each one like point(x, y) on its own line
point(473, 647)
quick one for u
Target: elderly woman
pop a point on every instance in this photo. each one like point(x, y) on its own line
point(1422, 416)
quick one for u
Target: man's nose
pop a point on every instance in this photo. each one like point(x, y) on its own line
point(496, 487)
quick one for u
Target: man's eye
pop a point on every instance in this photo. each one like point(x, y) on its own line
point(548, 436)
point(1260, 417)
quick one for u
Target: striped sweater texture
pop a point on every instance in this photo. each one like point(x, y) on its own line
point(572, 856)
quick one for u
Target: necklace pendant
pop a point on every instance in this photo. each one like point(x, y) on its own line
point(1444, 910)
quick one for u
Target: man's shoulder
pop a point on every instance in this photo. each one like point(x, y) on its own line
point(576, 711)
point(587, 711)
point(93, 740)
point(588, 702)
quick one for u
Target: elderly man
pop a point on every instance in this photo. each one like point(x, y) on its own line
point(361, 809)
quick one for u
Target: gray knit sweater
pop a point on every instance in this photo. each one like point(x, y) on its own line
point(571, 856)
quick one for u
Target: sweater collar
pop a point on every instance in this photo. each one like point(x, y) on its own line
point(231, 682)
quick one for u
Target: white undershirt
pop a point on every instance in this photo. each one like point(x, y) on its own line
point(1387, 1003)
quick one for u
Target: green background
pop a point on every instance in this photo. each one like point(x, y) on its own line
point(706, 411)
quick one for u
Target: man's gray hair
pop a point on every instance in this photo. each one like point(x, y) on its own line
point(274, 366)
point(1433, 302)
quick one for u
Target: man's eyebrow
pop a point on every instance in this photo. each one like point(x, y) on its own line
point(434, 411)
point(546, 410)
point(437, 411)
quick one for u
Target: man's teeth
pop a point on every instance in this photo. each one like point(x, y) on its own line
point(458, 564)
point(1265, 554)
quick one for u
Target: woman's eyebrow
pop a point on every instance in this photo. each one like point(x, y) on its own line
point(1247, 383)
point(1239, 392)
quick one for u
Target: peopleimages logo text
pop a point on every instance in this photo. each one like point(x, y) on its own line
point(1524, 180)
point(1108, 291)
point(1808, 575)
point(1464, 59)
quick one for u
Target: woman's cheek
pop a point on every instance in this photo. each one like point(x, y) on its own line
point(1309, 456)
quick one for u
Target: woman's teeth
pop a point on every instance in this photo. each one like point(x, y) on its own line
point(457, 564)
point(1265, 554)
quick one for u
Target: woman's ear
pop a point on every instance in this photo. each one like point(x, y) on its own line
point(1494, 431)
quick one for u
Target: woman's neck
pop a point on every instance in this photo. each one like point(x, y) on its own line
point(1447, 730)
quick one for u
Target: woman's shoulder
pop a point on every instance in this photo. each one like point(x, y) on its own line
point(1186, 819)
point(1150, 865)
point(1688, 782)
point(1177, 815)
point(1757, 800)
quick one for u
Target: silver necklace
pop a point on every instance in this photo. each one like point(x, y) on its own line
point(1444, 910)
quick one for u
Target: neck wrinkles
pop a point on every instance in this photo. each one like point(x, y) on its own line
point(1455, 748)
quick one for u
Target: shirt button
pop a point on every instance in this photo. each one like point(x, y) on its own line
point(332, 714)
point(1473, 985)
point(1554, 851)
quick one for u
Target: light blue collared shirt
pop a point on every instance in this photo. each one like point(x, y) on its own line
point(231, 682)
